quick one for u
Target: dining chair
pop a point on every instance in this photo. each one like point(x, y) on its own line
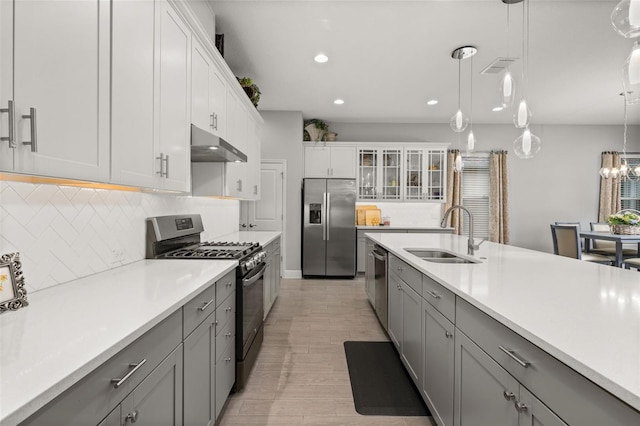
point(566, 242)
point(633, 262)
point(609, 247)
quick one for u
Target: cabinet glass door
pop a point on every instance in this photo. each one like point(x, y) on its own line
point(435, 165)
point(414, 172)
point(391, 166)
point(367, 174)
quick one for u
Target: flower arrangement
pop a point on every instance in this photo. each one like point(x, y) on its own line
point(624, 218)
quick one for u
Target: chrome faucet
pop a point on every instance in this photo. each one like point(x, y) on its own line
point(471, 246)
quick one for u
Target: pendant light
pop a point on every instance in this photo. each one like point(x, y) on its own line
point(527, 145)
point(626, 18)
point(624, 172)
point(631, 75)
point(522, 117)
point(459, 121)
point(471, 138)
point(507, 83)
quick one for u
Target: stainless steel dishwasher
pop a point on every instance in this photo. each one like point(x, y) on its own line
point(380, 277)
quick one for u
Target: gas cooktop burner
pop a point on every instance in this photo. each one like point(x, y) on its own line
point(214, 250)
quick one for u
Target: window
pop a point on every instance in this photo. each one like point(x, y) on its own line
point(475, 193)
point(630, 190)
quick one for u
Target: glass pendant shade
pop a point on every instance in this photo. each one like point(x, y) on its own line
point(527, 145)
point(615, 172)
point(626, 18)
point(631, 76)
point(507, 90)
point(471, 142)
point(457, 163)
point(459, 122)
point(522, 117)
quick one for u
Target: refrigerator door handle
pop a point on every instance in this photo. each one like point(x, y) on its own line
point(328, 209)
point(324, 216)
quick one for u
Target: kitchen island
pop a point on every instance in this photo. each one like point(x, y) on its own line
point(584, 315)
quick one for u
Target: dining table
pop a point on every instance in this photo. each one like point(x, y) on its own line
point(619, 239)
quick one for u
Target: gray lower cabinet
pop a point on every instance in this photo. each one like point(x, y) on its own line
point(395, 310)
point(411, 346)
point(113, 419)
point(534, 413)
point(225, 375)
point(158, 399)
point(437, 381)
point(370, 273)
point(271, 275)
point(484, 391)
point(199, 374)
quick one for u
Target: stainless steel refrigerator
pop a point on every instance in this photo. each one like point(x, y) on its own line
point(329, 227)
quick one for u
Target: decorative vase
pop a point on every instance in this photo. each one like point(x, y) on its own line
point(314, 133)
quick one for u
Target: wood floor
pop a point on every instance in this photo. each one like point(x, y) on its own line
point(301, 376)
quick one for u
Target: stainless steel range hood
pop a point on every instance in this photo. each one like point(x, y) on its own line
point(209, 148)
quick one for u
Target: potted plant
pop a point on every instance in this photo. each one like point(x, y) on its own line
point(251, 89)
point(625, 222)
point(316, 129)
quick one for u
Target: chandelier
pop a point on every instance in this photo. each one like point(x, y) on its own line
point(624, 172)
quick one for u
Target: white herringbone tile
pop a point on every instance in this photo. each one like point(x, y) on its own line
point(64, 233)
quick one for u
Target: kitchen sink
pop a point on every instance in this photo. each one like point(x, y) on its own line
point(440, 256)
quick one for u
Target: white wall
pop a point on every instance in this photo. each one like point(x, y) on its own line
point(282, 140)
point(560, 183)
point(64, 233)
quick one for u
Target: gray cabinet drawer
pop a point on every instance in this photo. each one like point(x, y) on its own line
point(224, 336)
point(225, 286)
point(91, 399)
point(576, 400)
point(406, 273)
point(438, 296)
point(226, 311)
point(197, 309)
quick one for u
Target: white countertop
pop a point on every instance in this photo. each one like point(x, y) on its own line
point(584, 314)
point(398, 227)
point(70, 329)
point(261, 237)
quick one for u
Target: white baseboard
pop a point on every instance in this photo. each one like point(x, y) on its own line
point(294, 274)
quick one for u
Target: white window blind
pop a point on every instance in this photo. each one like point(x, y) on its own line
point(475, 193)
point(629, 190)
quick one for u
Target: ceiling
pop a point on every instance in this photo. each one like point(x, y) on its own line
point(388, 58)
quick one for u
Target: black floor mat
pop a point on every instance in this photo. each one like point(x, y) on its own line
point(379, 382)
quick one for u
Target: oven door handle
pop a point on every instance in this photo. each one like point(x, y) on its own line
point(250, 280)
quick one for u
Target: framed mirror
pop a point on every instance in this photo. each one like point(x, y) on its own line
point(13, 295)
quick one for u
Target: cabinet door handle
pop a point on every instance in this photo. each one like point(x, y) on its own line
point(508, 395)
point(521, 407)
point(11, 136)
point(34, 130)
point(255, 189)
point(227, 334)
point(228, 309)
point(433, 294)
point(206, 305)
point(448, 335)
point(228, 284)
point(239, 185)
point(166, 166)
point(161, 158)
point(512, 354)
point(132, 417)
point(135, 367)
point(228, 359)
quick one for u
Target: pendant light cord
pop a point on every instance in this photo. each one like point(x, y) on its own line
point(471, 96)
point(459, 65)
point(525, 47)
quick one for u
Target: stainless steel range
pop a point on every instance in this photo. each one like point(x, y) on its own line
point(178, 237)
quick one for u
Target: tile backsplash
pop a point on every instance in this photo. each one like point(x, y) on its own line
point(410, 214)
point(64, 233)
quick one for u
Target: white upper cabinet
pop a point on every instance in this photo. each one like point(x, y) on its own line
point(134, 150)
point(151, 96)
point(60, 83)
point(208, 93)
point(330, 162)
point(7, 132)
point(174, 109)
point(253, 161)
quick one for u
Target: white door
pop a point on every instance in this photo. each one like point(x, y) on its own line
point(266, 213)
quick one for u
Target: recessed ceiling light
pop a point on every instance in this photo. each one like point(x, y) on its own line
point(321, 58)
point(338, 101)
point(432, 102)
point(497, 109)
point(213, 148)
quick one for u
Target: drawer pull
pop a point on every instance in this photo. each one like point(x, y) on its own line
point(206, 305)
point(132, 417)
point(433, 294)
point(448, 335)
point(512, 355)
point(400, 269)
point(228, 359)
point(520, 406)
point(227, 334)
point(508, 395)
point(229, 284)
point(135, 367)
point(228, 309)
